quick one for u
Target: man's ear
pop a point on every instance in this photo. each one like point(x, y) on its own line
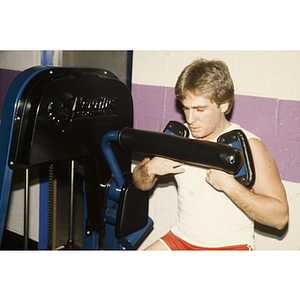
point(224, 107)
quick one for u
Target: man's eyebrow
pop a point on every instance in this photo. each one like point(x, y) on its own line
point(194, 107)
point(199, 106)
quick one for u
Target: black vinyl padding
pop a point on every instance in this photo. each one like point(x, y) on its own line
point(132, 214)
point(204, 153)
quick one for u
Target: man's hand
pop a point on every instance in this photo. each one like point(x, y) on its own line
point(159, 166)
point(147, 172)
point(219, 180)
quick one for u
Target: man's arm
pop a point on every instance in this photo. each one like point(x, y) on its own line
point(266, 203)
point(149, 170)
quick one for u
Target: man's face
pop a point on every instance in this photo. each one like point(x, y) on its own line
point(205, 118)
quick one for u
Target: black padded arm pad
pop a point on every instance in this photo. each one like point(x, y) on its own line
point(237, 138)
point(204, 153)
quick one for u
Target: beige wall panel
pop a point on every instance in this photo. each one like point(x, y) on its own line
point(273, 74)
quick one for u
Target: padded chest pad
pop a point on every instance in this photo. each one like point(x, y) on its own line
point(132, 214)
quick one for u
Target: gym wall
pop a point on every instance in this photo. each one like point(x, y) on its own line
point(267, 103)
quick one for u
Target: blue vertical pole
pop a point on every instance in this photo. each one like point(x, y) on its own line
point(47, 58)
point(44, 208)
point(111, 243)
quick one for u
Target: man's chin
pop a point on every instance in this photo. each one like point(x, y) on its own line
point(197, 135)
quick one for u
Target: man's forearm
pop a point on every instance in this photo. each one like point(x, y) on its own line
point(141, 178)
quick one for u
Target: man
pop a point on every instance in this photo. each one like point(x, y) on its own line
point(215, 212)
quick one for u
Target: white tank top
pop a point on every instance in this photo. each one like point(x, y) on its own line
point(206, 217)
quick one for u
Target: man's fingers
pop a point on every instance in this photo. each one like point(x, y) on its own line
point(208, 171)
point(178, 170)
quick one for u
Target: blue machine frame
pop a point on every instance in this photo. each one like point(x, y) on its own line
point(111, 242)
point(7, 122)
point(89, 242)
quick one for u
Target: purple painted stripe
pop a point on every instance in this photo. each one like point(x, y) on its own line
point(275, 121)
point(154, 107)
point(6, 78)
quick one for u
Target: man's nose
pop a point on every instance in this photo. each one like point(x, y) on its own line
point(190, 116)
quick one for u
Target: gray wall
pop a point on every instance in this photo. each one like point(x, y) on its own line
point(115, 61)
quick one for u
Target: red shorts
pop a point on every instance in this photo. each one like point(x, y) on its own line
point(176, 243)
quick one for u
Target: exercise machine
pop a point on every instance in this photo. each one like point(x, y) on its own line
point(85, 116)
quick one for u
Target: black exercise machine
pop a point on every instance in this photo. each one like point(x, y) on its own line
point(85, 116)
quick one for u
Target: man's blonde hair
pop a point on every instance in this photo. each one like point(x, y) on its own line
point(209, 79)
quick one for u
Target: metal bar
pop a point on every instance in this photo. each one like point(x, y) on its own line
point(88, 242)
point(54, 213)
point(44, 208)
point(50, 208)
point(71, 213)
point(26, 209)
